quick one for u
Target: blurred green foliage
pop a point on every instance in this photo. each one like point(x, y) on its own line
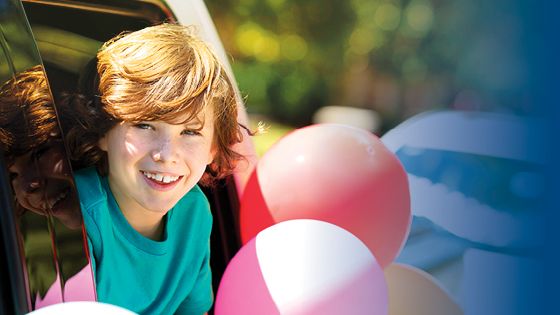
point(286, 53)
point(397, 57)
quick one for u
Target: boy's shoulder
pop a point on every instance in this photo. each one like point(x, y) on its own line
point(196, 192)
point(88, 185)
point(197, 201)
point(194, 195)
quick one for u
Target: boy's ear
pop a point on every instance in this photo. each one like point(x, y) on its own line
point(102, 143)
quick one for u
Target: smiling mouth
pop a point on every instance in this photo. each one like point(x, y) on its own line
point(161, 182)
point(160, 178)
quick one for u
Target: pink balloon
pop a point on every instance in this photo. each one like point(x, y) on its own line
point(334, 173)
point(303, 267)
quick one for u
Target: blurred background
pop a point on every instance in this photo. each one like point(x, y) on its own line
point(393, 58)
point(477, 214)
point(477, 187)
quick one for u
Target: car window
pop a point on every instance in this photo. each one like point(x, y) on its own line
point(42, 201)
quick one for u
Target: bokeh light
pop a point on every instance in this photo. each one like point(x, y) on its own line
point(293, 47)
point(419, 17)
point(387, 16)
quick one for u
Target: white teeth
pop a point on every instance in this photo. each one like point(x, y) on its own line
point(160, 178)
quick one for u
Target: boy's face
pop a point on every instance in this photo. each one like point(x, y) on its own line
point(42, 183)
point(153, 164)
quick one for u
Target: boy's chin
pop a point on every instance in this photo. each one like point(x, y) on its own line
point(161, 207)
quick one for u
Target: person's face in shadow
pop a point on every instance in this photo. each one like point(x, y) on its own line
point(42, 183)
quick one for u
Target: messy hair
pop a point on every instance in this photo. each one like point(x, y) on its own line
point(27, 115)
point(158, 73)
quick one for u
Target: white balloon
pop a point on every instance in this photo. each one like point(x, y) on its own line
point(303, 267)
point(82, 308)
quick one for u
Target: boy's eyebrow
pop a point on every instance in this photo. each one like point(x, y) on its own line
point(194, 124)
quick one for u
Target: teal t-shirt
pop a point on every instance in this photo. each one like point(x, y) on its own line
point(171, 276)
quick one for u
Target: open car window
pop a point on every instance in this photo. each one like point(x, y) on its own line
point(41, 219)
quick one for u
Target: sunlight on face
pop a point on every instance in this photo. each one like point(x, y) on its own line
point(153, 164)
point(130, 148)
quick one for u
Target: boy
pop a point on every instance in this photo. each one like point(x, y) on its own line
point(159, 116)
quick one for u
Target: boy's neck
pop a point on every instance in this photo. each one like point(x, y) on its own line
point(148, 223)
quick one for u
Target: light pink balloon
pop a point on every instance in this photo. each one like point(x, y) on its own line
point(334, 173)
point(303, 267)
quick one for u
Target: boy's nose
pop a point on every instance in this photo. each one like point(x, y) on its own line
point(156, 155)
point(166, 152)
point(30, 180)
point(31, 184)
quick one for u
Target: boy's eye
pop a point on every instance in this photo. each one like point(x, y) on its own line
point(143, 126)
point(190, 132)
